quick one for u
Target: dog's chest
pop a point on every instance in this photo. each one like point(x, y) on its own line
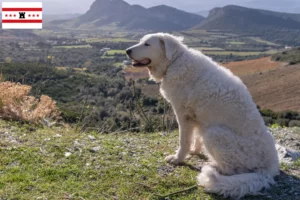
point(173, 93)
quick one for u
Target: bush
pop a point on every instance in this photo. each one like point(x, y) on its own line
point(15, 104)
point(149, 101)
point(282, 122)
point(268, 120)
point(268, 113)
point(294, 123)
point(288, 115)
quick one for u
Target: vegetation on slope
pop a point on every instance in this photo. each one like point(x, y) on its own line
point(292, 56)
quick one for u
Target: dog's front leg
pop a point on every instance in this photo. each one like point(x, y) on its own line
point(186, 127)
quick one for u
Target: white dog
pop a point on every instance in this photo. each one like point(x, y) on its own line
point(212, 104)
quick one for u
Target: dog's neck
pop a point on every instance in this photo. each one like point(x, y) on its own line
point(174, 59)
point(157, 73)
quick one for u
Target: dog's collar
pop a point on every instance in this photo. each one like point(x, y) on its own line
point(175, 59)
point(171, 63)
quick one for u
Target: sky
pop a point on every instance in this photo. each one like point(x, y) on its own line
point(81, 6)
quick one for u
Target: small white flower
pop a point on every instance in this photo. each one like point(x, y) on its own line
point(67, 154)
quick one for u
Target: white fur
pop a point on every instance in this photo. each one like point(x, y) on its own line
point(212, 106)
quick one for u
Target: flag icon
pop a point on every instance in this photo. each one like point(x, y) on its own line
point(22, 15)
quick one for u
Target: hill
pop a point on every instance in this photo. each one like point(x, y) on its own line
point(292, 57)
point(277, 89)
point(123, 15)
point(273, 26)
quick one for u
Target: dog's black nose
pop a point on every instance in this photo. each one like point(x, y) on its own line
point(128, 51)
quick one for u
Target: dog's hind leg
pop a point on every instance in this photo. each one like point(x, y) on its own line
point(198, 143)
point(223, 146)
point(234, 174)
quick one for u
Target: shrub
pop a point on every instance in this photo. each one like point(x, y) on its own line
point(275, 126)
point(15, 104)
point(268, 120)
point(294, 123)
point(149, 101)
point(268, 113)
point(288, 115)
point(282, 122)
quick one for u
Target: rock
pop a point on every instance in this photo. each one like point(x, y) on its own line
point(95, 149)
point(287, 155)
point(77, 144)
point(91, 137)
point(57, 136)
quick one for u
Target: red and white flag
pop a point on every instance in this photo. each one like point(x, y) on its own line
point(22, 15)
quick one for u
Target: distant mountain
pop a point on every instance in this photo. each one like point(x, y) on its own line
point(282, 27)
point(124, 15)
point(290, 6)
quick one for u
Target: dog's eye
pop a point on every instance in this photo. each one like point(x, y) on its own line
point(147, 45)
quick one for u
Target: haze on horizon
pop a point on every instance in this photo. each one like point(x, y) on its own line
point(79, 6)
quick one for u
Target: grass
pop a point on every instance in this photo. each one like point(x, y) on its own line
point(113, 52)
point(118, 39)
point(236, 42)
point(257, 39)
point(290, 56)
point(118, 64)
point(34, 164)
point(73, 46)
point(208, 48)
point(60, 163)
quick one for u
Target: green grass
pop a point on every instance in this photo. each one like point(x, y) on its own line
point(257, 39)
point(208, 48)
point(118, 64)
point(119, 39)
point(291, 56)
point(34, 165)
point(73, 46)
point(236, 42)
point(112, 52)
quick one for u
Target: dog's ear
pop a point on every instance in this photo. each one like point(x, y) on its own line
point(170, 45)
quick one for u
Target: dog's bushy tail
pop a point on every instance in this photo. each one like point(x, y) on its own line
point(235, 186)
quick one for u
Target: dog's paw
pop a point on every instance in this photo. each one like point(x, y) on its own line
point(173, 159)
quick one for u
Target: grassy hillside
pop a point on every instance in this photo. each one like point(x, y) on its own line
point(292, 56)
point(60, 163)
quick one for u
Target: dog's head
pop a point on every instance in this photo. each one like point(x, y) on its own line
point(155, 51)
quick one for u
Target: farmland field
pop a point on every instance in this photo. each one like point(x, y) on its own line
point(112, 52)
point(239, 53)
point(94, 40)
point(257, 39)
point(73, 46)
point(253, 66)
